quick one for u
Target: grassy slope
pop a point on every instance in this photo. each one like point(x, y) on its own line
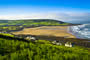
point(42, 50)
point(16, 25)
point(31, 22)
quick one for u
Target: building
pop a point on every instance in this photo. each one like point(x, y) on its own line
point(30, 38)
point(69, 44)
point(56, 42)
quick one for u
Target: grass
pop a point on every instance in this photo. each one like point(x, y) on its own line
point(11, 49)
point(33, 22)
point(14, 25)
point(7, 34)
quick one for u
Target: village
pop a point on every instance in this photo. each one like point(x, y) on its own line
point(54, 42)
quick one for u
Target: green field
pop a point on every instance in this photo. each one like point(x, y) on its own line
point(16, 25)
point(32, 22)
point(12, 49)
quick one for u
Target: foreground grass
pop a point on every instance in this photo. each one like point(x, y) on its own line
point(42, 50)
point(7, 34)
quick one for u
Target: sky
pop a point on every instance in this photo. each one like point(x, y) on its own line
point(64, 10)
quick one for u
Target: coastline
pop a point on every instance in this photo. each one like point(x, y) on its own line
point(59, 31)
point(70, 31)
point(77, 35)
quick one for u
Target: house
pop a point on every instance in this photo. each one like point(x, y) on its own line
point(69, 44)
point(30, 38)
point(56, 42)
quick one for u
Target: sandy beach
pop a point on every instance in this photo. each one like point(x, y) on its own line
point(60, 31)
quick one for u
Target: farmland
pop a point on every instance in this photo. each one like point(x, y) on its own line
point(17, 25)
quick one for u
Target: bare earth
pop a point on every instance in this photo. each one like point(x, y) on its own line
point(60, 31)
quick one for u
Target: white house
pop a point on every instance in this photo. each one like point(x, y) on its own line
point(27, 38)
point(54, 42)
point(30, 38)
point(68, 44)
point(58, 43)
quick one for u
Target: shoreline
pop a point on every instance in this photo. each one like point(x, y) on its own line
point(59, 31)
point(77, 35)
point(69, 31)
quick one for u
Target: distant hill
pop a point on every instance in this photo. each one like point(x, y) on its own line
point(33, 22)
point(17, 25)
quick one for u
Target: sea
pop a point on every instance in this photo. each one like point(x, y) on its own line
point(80, 31)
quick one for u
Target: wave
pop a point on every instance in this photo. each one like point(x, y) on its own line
point(81, 31)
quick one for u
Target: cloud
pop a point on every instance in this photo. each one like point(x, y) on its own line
point(76, 17)
point(72, 17)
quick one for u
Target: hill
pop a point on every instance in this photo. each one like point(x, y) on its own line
point(16, 25)
point(14, 49)
point(32, 22)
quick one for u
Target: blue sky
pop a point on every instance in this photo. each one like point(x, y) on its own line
point(53, 9)
point(84, 4)
point(75, 4)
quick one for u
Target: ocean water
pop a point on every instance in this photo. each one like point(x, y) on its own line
point(81, 31)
